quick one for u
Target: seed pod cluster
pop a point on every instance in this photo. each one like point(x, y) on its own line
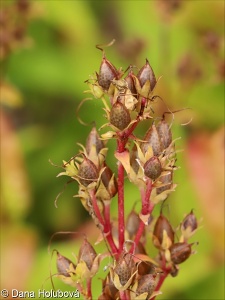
point(149, 163)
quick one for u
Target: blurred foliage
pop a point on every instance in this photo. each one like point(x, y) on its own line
point(47, 51)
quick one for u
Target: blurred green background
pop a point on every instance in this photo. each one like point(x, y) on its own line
point(47, 51)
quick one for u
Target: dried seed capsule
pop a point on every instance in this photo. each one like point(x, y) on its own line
point(132, 224)
point(109, 290)
point(88, 172)
point(63, 265)
point(87, 254)
point(146, 284)
point(124, 267)
point(174, 271)
point(94, 139)
point(163, 226)
point(166, 179)
point(119, 116)
point(146, 73)
point(107, 73)
point(152, 139)
point(153, 168)
point(109, 183)
point(189, 221)
point(180, 252)
point(131, 83)
point(165, 133)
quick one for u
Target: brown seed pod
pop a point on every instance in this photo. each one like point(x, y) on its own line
point(189, 221)
point(165, 133)
point(124, 267)
point(180, 252)
point(132, 223)
point(107, 73)
point(94, 139)
point(110, 185)
point(119, 116)
point(163, 225)
point(87, 254)
point(110, 292)
point(146, 284)
point(87, 172)
point(152, 139)
point(174, 271)
point(153, 168)
point(63, 265)
point(146, 73)
point(131, 83)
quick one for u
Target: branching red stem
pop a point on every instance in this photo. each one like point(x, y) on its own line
point(107, 230)
point(95, 207)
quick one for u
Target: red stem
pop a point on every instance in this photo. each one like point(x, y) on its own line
point(123, 295)
point(161, 280)
point(121, 144)
point(147, 208)
point(89, 293)
point(107, 230)
point(121, 223)
point(95, 207)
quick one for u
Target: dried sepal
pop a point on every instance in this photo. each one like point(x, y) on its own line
point(95, 89)
point(124, 158)
point(71, 169)
point(156, 198)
